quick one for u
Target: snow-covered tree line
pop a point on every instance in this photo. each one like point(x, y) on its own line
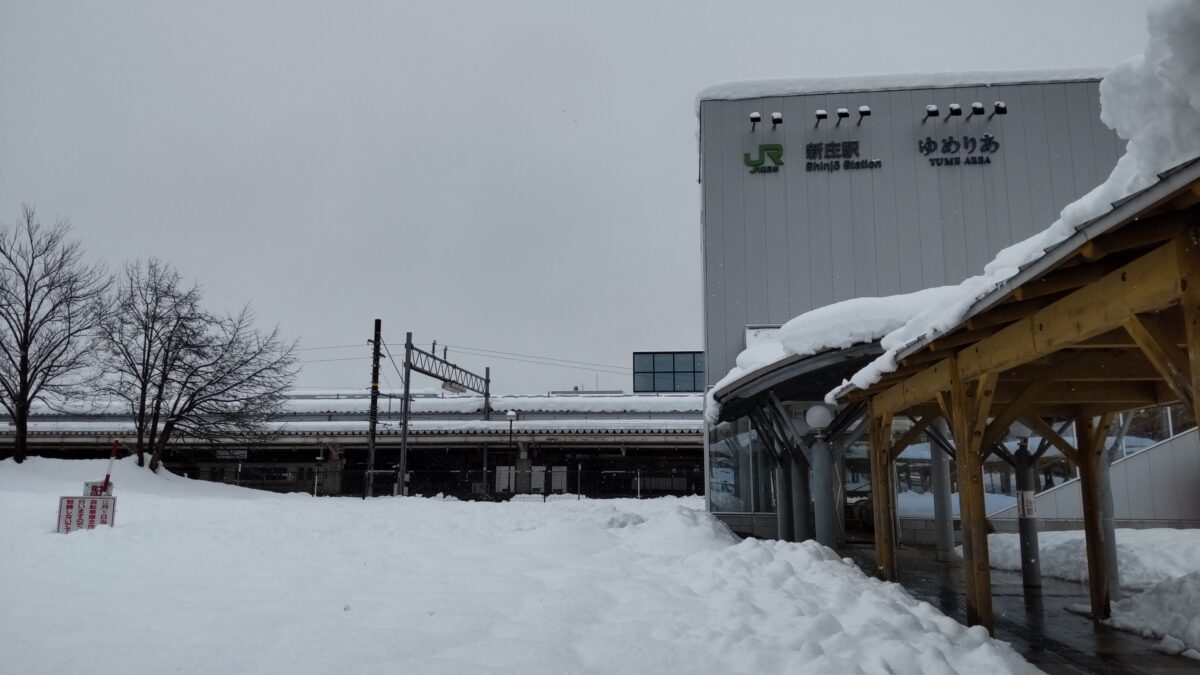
point(70, 330)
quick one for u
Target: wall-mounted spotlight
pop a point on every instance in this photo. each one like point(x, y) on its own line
point(976, 109)
point(863, 111)
point(998, 108)
point(776, 119)
point(931, 110)
point(842, 114)
point(821, 115)
point(953, 110)
point(755, 118)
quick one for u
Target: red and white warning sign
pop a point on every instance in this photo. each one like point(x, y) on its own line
point(97, 488)
point(85, 513)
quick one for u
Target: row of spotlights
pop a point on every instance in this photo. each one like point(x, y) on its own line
point(952, 110)
point(955, 110)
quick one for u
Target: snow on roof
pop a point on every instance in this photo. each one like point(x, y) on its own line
point(581, 403)
point(1153, 101)
point(358, 402)
point(744, 89)
point(837, 326)
point(391, 427)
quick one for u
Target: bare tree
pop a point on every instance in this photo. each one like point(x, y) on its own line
point(185, 372)
point(50, 305)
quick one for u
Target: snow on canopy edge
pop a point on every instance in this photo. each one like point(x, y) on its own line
point(771, 87)
point(836, 327)
point(1153, 101)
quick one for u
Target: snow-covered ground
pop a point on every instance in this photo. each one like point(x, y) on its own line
point(920, 504)
point(1164, 562)
point(206, 578)
point(1145, 557)
point(1169, 610)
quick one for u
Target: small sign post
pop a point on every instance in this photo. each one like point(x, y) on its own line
point(96, 488)
point(96, 507)
point(85, 513)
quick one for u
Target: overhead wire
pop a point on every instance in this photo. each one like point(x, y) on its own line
point(312, 349)
point(549, 359)
point(544, 363)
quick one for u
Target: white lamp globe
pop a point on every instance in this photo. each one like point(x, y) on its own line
point(818, 417)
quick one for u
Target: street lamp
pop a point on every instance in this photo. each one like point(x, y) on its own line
point(819, 418)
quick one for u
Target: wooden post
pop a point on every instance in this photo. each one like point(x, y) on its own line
point(970, 404)
point(1188, 248)
point(882, 501)
point(1090, 455)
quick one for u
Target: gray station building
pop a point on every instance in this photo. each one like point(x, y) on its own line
point(817, 191)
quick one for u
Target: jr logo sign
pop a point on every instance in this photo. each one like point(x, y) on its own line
point(771, 151)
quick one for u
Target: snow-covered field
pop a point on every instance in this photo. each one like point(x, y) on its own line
point(206, 578)
point(1163, 563)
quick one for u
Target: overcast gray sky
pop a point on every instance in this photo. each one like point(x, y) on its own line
point(513, 176)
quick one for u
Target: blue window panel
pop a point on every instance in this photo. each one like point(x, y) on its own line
point(643, 382)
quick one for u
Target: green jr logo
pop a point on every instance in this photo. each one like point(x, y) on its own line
point(772, 151)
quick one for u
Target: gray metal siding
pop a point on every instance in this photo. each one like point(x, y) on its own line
point(779, 244)
point(1157, 484)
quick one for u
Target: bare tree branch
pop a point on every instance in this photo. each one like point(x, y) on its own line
point(184, 372)
point(51, 303)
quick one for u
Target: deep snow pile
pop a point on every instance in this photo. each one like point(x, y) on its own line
point(1153, 101)
point(1144, 557)
point(204, 578)
point(1169, 610)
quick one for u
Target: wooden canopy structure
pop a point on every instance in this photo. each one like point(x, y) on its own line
point(1105, 321)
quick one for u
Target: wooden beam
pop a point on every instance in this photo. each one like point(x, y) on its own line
point(1057, 281)
point(1188, 251)
point(919, 388)
point(883, 506)
point(1169, 361)
point(959, 338)
point(1047, 432)
point(966, 405)
point(1137, 234)
point(1007, 313)
point(908, 437)
point(1147, 284)
point(1019, 404)
point(1113, 339)
point(1132, 393)
point(1090, 365)
point(1090, 455)
point(921, 358)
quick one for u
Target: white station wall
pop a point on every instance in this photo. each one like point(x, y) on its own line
point(781, 242)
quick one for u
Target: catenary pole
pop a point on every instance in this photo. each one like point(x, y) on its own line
point(373, 417)
point(402, 468)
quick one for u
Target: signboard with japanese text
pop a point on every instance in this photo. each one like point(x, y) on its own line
point(816, 194)
point(85, 513)
point(92, 489)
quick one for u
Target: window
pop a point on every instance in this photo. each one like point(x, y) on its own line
point(668, 372)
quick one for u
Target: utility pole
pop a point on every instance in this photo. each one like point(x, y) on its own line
point(402, 468)
point(373, 417)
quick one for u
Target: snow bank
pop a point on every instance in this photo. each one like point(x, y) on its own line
point(1145, 557)
point(1153, 101)
point(920, 504)
point(1169, 610)
point(204, 578)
